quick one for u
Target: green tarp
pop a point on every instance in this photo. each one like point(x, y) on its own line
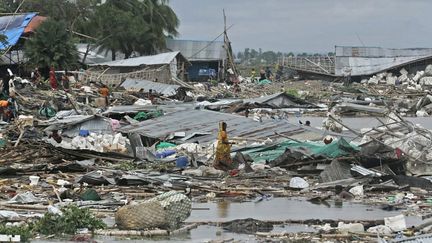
point(264, 81)
point(142, 116)
point(164, 145)
point(336, 149)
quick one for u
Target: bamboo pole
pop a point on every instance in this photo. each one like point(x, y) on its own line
point(184, 229)
point(113, 232)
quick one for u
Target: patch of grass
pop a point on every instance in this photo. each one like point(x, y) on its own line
point(24, 231)
point(292, 92)
point(127, 165)
point(73, 218)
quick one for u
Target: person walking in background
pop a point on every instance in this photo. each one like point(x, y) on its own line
point(52, 78)
point(65, 81)
point(35, 76)
point(268, 73)
point(262, 75)
point(253, 75)
point(104, 92)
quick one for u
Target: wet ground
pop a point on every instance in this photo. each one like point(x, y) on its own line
point(281, 209)
point(277, 209)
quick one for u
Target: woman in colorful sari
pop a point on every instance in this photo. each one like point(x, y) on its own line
point(52, 78)
point(223, 159)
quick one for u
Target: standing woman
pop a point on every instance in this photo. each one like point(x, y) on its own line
point(52, 78)
point(223, 159)
point(65, 81)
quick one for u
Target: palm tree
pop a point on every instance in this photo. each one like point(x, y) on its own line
point(138, 27)
point(53, 45)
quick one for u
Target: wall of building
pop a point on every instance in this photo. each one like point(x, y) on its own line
point(193, 70)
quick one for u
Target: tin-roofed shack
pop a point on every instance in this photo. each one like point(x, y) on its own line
point(165, 68)
point(207, 58)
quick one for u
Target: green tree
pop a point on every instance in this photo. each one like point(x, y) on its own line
point(8, 6)
point(253, 53)
point(269, 56)
point(76, 13)
point(53, 45)
point(247, 53)
point(240, 55)
point(139, 26)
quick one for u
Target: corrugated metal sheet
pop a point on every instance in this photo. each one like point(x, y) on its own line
point(159, 59)
point(356, 51)
point(71, 125)
point(371, 60)
point(13, 27)
point(161, 88)
point(99, 125)
point(198, 50)
point(175, 107)
point(204, 121)
point(415, 239)
point(95, 55)
point(280, 100)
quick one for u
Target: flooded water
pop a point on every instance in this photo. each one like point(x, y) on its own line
point(277, 209)
point(281, 209)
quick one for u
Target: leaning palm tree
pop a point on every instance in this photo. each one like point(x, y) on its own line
point(53, 45)
point(138, 27)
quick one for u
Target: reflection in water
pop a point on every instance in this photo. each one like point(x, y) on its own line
point(338, 203)
point(222, 208)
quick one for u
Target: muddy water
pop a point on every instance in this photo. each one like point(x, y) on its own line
point(280, 209)
point(274, 209)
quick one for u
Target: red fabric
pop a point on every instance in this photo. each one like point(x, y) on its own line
point(398, 152)
point(52, 79)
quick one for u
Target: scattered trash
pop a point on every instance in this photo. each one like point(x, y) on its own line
point(357, 191)
point(299, 183)
point(396, 223)
point(352, 227)
point(167, 210)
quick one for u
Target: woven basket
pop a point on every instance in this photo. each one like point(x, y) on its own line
point(166, 211)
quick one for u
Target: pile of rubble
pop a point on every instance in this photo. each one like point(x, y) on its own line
point(421, 80)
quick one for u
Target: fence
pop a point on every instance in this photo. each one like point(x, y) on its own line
point(162, 74)
point(314, 64)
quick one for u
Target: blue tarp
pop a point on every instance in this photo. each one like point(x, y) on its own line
point(13, 27)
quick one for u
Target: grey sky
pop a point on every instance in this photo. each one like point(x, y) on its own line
point(308, 25)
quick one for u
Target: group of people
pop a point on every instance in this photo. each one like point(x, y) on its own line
point(8, 105)
point(264, 74)
point(36, 79)
point(267, 73)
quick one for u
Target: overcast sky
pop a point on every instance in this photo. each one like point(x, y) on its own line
point(308, 25)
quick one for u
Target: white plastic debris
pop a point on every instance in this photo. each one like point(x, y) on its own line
point(396, 223)
point(352, 227)
point(418, 75)
point(26, 197)
point(403, 71)
point(54, 210)
point(380, 229)
point(357, 191)
point(428, 70)
point(298, 182)
point(8, 215)
point(34, 180)
point(142, 102)
point(193, 172)
point(426, 81)
point(421, 113)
